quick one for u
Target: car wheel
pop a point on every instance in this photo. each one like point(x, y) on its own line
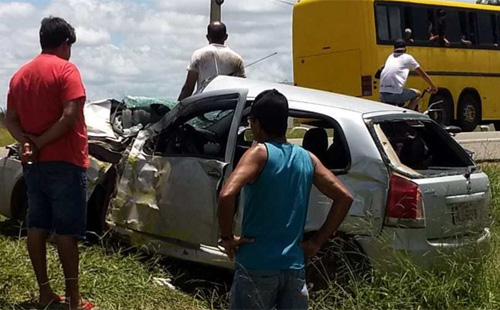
point(469, 112)
point(338, 261)
point(99, 202)
point(446, 106)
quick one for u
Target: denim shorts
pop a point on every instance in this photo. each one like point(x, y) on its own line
point(56, 198)
point(399, 99)
point(253, 289)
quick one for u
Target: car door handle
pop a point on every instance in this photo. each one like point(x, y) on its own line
point(215, 174)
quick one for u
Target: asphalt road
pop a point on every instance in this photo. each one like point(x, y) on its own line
point(485, 145)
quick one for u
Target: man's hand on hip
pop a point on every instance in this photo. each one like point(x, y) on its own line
point(230, 247)
point(310, 249)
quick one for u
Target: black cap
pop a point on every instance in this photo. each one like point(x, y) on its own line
point(270, 108)
point(399, 46)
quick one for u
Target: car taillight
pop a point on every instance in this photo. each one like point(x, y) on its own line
point(405, 206)
point(366, 85)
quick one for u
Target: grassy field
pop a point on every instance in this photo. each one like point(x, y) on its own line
point(5, 137)
point(116, 277)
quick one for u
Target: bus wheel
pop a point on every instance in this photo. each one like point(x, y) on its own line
point(469, 112)
point(497, 125)
point(446, 106)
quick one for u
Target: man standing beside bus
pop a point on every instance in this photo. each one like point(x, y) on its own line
point(395, 74)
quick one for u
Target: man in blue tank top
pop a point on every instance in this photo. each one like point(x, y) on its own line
point(277, 177)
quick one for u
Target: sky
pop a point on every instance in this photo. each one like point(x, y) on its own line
point(142, 47)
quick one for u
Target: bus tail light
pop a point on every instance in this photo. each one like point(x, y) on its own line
point(366, 85)
point(405, 205)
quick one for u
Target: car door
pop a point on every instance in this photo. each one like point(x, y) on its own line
point(171, 179)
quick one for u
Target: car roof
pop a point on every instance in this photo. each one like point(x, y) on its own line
point(300, 94)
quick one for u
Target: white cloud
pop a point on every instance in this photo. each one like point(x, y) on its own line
point(142, 47)
point(92, 37)
point(14, 10)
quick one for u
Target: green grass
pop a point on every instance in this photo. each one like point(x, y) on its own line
point(115, 277)
point(465, 283)
point(5, 137)
point(111, 278)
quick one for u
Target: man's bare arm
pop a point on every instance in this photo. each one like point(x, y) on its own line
point(427, 79)
point(332, 187)
point(247, 171)
point(188, 88)
point(66, 122)
point(13, 123)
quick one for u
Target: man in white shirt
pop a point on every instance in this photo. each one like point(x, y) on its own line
point(212, 60)
point(395, 74)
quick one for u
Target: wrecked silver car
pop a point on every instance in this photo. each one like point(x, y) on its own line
point(157, 180)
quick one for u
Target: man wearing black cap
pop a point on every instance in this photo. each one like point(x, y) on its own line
point(395, 74)
point(277, 177)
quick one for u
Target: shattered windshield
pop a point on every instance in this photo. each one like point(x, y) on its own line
point(208, 119)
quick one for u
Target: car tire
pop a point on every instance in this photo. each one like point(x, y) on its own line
point(339, 259)
point(447, 107)
point(469, 112)
point(98, 203)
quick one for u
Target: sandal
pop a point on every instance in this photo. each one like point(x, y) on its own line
point(84, 305)
point(87, 305)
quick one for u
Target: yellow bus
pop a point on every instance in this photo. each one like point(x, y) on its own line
point(338, 45)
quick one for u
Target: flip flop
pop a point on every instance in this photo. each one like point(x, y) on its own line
point(87, 305)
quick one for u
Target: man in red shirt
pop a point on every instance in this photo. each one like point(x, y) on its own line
point(45, 114)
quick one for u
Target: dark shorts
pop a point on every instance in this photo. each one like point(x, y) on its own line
point(56, 198)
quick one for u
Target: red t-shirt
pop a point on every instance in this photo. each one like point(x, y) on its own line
point(38, 91)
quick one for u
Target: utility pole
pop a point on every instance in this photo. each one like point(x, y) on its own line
point(215, 10)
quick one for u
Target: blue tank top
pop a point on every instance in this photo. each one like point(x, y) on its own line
point(275, 210)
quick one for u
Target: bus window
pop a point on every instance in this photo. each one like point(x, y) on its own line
point(388, 23)
point(453, 32)
point(494, 29)
point(422, 21)
point(464, 29)
point(472, 28)
point(408, 18)
point(382, 23)
point(485, 29)
point(395, 23)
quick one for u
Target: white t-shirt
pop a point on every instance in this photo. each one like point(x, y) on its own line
point(395, 73)
point(216, 59)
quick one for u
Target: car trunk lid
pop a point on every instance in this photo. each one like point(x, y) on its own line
point(454, 194)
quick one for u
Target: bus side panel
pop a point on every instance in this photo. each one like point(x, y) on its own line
point(327, 42)
point(334, 72)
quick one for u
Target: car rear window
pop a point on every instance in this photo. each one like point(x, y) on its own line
point(421, 146)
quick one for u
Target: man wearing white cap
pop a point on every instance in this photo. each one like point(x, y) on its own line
point(395, 74)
